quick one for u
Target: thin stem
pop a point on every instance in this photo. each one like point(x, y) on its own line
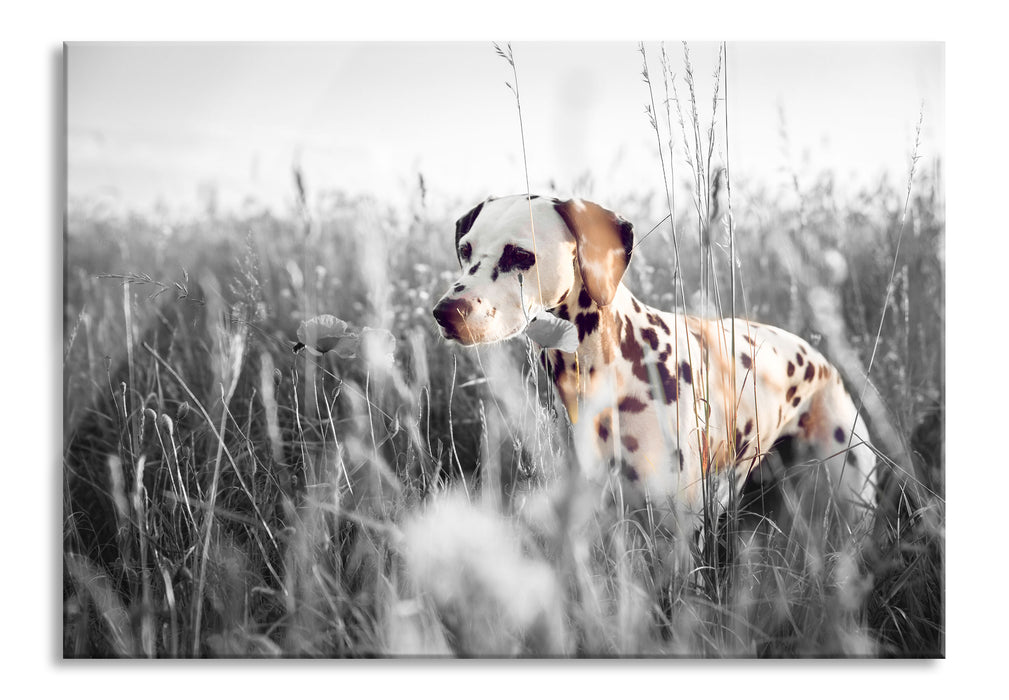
point(510, 57)
point(889, 285)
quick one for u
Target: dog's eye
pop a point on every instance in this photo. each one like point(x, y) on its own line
point(465, 252)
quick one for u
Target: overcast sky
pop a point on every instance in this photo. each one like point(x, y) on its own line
point(150, 122)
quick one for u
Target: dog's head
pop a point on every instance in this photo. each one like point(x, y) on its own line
point(509, 274)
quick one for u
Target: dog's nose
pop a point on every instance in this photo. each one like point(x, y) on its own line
point(449, 311)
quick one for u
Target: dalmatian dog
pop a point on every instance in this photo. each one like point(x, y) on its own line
point(670, 397)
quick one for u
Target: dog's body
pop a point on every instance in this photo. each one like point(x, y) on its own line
point(669, 396)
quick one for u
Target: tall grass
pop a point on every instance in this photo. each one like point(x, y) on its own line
point(225, 496)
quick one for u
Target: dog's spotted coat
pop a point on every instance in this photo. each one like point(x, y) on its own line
point(666, 400)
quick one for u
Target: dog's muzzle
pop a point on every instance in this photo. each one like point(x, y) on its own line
point(451, 315)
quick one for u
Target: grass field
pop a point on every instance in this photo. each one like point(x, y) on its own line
point(251, 501)
point(226, 496)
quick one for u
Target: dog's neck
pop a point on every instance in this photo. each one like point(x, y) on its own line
point(602, 335)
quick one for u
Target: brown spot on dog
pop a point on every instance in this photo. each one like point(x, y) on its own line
point(634, 303)
point(603, 427)
point(839, 434)
point(655, 320)
point(749, 340)
point(741, 445)
point(790, 393)
point(631, 351)
point(587, 323)
point(804, 419)
point(799, 360)
point(748, 427)
point(514, 257)
point(810, 372)
point(562, 312)
point(651, 337)
point(640, 371)
point(790, 369)
point(796, 401)
point(473, 270)
point(630, 472)
point(631, 404)
point(630, 442)
point(685, 372)
point(668, 383)
point(558, 361)
point(746, 361)
point(584, 300)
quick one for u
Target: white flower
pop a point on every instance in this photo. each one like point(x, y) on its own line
point(324, 333)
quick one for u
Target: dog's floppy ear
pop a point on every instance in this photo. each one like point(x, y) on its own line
point(464, 224)
point(604, 242)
